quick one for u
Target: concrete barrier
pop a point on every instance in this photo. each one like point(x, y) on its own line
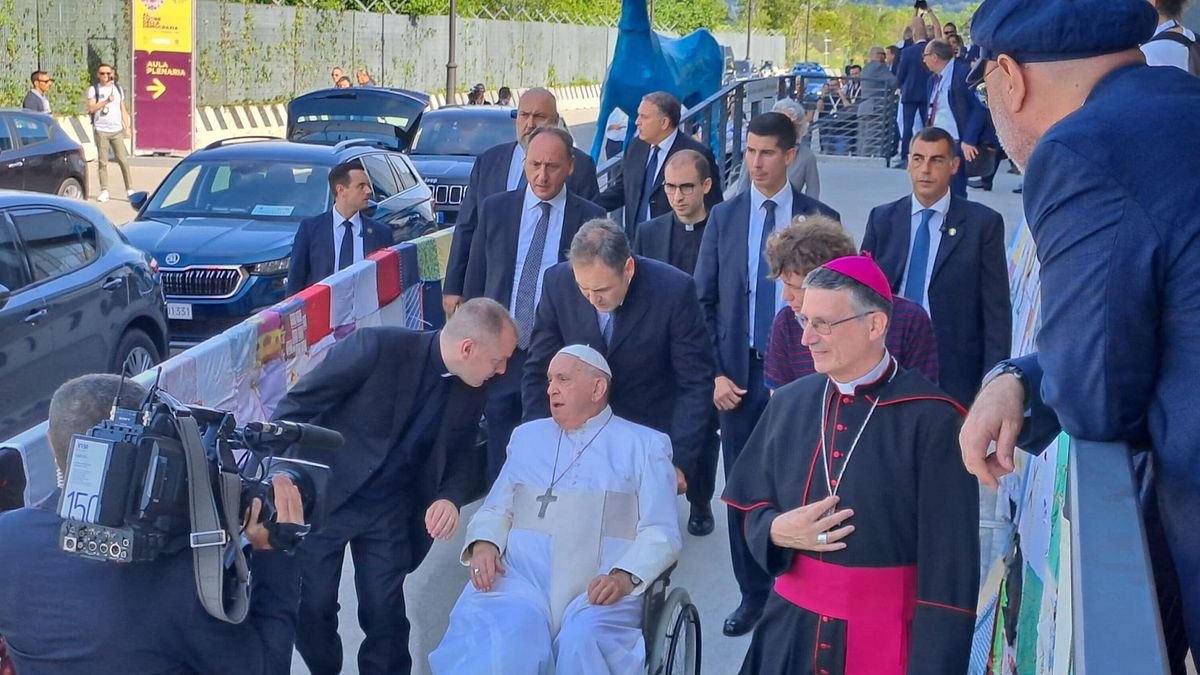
point(212, 124)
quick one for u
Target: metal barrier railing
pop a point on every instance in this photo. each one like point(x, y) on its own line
point(847, 116)
point(1117, 629)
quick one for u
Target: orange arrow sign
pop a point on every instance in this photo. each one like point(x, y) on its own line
point(157, 88)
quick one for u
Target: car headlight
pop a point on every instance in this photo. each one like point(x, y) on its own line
point(271, 267)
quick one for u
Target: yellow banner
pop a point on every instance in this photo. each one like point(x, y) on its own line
point(162, 25)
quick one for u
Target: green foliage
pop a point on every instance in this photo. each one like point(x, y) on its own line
point(852, 28)
point(685, 16)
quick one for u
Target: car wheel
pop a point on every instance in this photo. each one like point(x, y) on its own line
point(71, 188)
point(136, 353)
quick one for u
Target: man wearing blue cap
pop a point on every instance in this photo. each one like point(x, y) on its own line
point(1119, 245)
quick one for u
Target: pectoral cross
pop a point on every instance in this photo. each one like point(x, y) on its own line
point(545, 501)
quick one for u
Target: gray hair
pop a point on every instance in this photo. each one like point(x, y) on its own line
point(480, 319)
point(667, 105)
point(876, 53)
point(862, 298)
point(600, 239)
point(793, 109)
point(941, 49)
point(84, 402)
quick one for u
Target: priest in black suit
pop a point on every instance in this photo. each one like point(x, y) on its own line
point(947, 254)
point(521, 234)
point(502, 168)
point(339, 237)
point(644, 317)
point(408, 404)
point(638, 191)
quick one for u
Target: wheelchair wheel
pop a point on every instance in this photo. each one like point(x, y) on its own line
point(676, 648)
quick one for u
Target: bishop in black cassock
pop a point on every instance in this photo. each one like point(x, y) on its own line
point(886, 584)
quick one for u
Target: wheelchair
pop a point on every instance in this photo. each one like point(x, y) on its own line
point(671, 627)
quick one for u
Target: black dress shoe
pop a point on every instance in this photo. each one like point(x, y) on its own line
point(700, 522)
point(742, 620)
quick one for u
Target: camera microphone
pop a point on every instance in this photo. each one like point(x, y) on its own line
point(307, 435)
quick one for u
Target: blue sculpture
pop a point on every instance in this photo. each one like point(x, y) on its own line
point(689, 67)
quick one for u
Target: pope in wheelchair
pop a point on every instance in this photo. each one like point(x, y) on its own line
point(579, 528)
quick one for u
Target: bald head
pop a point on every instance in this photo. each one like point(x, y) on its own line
point(537, 108)
point(478, 340)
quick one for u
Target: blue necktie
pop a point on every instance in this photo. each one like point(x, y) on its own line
point(346, 249)
point(764, 294)
point(643, 213)
point(524, 308)
point(606, 327)
point(918, 261)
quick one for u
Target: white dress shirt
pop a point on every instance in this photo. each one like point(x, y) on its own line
point(663, 149)
point(530, 214)
point(944, 119)
point(783, 216)
point(516, 167)
point(936, 221)
point(355, 225)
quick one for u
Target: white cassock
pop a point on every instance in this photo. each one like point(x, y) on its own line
point(613, 508)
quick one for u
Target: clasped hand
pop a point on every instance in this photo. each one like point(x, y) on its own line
point(799, 528)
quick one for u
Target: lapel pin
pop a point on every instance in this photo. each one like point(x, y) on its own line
point(953, 231)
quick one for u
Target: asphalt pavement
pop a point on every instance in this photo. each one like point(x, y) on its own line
point(850, 186)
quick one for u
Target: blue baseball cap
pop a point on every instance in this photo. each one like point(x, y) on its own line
point(1033, 31)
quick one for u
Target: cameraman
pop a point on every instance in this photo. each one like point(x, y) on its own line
point(64, 614)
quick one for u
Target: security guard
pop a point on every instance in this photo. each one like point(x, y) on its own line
point(1110, 150)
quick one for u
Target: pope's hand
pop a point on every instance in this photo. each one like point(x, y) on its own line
point(607, 589)
point(726, 394)
point(997, 415)
point(485, 565)
point(441, 519)
point(801, 527)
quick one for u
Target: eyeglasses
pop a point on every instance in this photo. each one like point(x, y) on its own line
point(822, 326)
point(981, 92)
point(683, 188)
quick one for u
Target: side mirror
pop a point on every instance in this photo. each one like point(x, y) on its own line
point(513, 113)
point(5, 294)
point(138, 199)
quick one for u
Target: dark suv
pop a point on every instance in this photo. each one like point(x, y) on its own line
point(222, 223)
point(75, 298)
point(37, 155)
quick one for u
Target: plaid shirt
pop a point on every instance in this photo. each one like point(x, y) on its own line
point(910, 339)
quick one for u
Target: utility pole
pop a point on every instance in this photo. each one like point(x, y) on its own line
point(748, 14)
point(451, 66)
point(807, 25)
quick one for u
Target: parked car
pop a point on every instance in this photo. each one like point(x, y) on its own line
point(814, 77)
point(447, 143)
point(38, 156)
point(223, 221)
point(75, 298)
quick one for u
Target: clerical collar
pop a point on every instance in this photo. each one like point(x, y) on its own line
point(435, 357)
point(690, 227)
point(591, 426)
point(874, 376)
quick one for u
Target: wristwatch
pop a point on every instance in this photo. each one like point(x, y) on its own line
point(1008, 368)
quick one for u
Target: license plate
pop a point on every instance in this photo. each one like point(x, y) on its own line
point(179, 310)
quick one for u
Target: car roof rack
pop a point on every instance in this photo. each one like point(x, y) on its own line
point(240, 139)
point(363, 142)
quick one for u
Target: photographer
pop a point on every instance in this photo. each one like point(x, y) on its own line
point(61, 613)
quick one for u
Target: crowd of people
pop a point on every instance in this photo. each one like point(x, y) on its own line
point(617, 362)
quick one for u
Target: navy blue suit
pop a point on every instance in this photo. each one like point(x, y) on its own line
point(404, 450)
point(62, 614)
point(723, 282)
point(914, 92)
point(969, 115)
point(625, 193)
point(660, 356)
point(489, 176)
point(1118, 238)
point(969, 300)
point(490, 274)
point(313, 254)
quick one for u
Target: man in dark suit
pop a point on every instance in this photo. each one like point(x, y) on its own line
point(953, 107)
point(740, 301)
point(643, 316)
point(501, 168)
point(638, 191)
point(339, 237)
point(914, 89)
point(521, 234)
point(947, 255)
point(408, 404)
point(141, 617)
